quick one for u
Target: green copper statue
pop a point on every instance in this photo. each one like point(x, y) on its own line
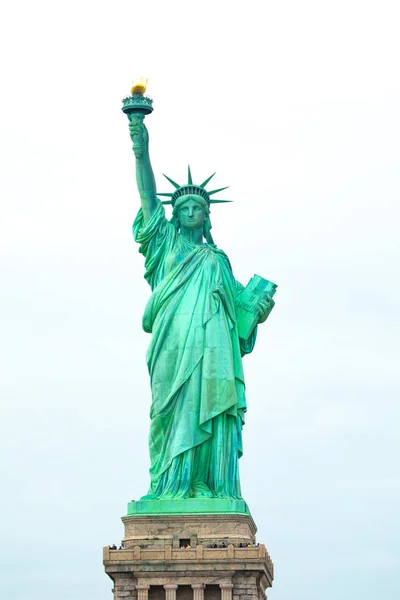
point(195, 354)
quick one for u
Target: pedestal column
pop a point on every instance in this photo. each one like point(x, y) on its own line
point(170, 591)
point(226, 591)
point(198, 591)
point(143, 591)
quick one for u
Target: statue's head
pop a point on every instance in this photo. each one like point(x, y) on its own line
point(191, 211)
point(191, 205)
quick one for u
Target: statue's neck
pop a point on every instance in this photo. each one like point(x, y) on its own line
point(194, 236)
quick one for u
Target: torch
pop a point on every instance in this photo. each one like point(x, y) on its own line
point(136, 107)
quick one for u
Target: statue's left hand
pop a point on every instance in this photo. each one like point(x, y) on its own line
point(264, 308)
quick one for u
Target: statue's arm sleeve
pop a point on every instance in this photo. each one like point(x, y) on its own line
point(246, 346)
point(156, 238)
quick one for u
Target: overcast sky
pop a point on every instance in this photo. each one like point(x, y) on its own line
point(296, 106)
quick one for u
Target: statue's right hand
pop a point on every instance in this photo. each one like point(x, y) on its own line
point(138, 131)
point(139, 134)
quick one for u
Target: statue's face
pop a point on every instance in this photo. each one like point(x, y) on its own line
point(191, 214)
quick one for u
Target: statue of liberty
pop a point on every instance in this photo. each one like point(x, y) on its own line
point(195, 354)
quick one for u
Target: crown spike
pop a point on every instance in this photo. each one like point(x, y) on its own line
point(176, 185)
point(164, 194)
point(218, 190)
point(207, 180)
point(166, 201)
point(219, 201)
point(190, 182)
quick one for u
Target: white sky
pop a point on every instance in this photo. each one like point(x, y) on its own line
point(296, 106)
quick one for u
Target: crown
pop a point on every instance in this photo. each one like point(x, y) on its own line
point(192, 188)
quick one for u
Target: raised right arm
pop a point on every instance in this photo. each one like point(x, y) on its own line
point(144, 172)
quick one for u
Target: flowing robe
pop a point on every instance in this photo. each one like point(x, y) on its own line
point(195, 364)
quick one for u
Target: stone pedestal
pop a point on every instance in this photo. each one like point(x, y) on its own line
point(189, 557)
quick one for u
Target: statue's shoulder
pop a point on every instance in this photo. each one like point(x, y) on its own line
point(221, 255)
point(158, 228)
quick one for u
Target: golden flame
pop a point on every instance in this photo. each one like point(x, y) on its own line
point(139, 86)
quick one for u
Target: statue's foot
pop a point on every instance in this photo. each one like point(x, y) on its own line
point(201, 490)
point(149, 497)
